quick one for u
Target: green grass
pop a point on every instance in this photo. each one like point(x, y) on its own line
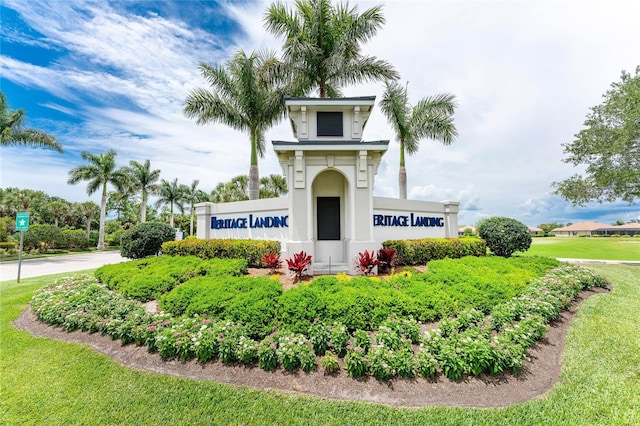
point(586, 248)
point(51, 382)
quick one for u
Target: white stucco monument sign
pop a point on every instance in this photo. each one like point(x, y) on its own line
point(330, 211)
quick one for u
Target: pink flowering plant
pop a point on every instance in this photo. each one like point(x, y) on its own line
point(320, 336)
point(362, 340)
point(339, 338)
point(268, 352)
point(355, 361)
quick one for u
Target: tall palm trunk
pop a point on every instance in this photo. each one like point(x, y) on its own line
point(191, 224)
point(171, 216)
point(254, 177)
point(402, 174)
point(143, 207)
point(103, 215)
point(88, 217)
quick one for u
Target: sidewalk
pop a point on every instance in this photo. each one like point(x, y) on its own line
point(58, 264)
point(609, 262)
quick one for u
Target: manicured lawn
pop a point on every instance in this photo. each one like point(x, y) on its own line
point(49, 382)
point(586, 248)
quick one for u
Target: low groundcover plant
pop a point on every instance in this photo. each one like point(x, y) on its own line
point(471, 343)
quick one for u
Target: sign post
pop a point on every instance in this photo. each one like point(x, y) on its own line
point(22, 224)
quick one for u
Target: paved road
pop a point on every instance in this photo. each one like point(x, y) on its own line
point(58, 264)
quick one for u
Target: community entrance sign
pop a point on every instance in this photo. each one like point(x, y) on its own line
point(330, 211)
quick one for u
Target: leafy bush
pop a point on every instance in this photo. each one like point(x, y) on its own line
point(299, 264)
point(468, 344)
point(114, 239)
point(147, 279)
point(330, 363)
point(8, 245)
point(272, 261)
point(250, 250)
point(386, 259)
point(420, 252)
point(75, 238)
point(245, 300)
point(43, 238)
point(504, 236)
point(366, 262)
point(146, 239)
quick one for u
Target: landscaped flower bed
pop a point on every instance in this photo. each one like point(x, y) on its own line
point(472, 342)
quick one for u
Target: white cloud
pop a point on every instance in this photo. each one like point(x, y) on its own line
point(524, 74)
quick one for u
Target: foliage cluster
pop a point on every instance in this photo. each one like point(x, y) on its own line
point(146, 239)
point(147, 279)
point(246, 300)
point(448, 286)
point(421, 252)
point(504, 236)
point(471, 343)
point(299, 264)
point(251, 250)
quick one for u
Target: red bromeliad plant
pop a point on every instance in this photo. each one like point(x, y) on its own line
point(298, 265)
point(366, 262)
point(386, 259)
point(272, 261)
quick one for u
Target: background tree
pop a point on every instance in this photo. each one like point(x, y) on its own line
point(88, 210)
point(322, 45)
point(234, 190)
point(59, 208)
point(193, 195)
point(171, 194)
point(242, 98)
point(143, 179)
point(13, 132)
point(431, 118)
point(273, 186)
point(609, 147)
point(100, 172)
point(504, 236)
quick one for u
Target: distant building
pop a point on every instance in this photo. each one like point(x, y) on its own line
point(590, 229)
point(535, 231)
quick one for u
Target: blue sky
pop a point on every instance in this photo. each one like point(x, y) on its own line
point(100, 75)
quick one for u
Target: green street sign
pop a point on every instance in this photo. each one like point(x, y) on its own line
point(22, 221)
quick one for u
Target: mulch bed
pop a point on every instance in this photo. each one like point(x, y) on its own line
point(536, 378)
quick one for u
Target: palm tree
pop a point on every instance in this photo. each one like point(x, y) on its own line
point(194, 195)
point(100, 171)
point(431, 117)
point(59, 208)
point(143, 179)
point(88, 209)
point(234, 190)
point(12, 131)
point(241, 98)
point(322, 45)
point(172, 194)
point(273, 186)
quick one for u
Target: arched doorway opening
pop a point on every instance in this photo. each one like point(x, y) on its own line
point(330, 204)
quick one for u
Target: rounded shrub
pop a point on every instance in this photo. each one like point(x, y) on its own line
point(504, 236)
point(145, 239)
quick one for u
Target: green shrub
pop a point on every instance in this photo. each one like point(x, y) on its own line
point(8, 245)
point(146, 239)
point(75, 238)
point(251, 250)
point(147, 279)
point(114, 239)
point(6, 224)
point(250, 301)
point(43, 238)
point(504, 236)
point(420, 252)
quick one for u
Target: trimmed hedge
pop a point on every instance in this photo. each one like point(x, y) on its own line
point(251, 250)
point(446, 288)
point(147, 279)
point(420, 252)
point(251, 301)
